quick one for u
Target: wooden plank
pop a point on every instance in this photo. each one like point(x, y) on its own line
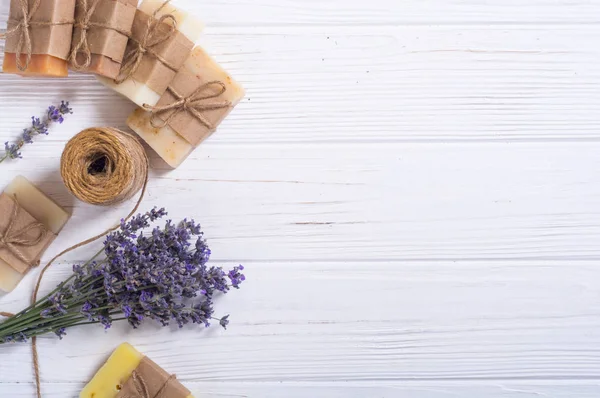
point(429, 12)
point(424, 322)
point(490, 389)
point(358, 85)
point(363, 203)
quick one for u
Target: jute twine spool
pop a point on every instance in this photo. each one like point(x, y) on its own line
point(104, 166)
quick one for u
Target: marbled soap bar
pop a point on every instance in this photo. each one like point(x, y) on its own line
point(125, 371)
point(50, 44)
point(184, 131)
point(151, 78)
point(43, 210)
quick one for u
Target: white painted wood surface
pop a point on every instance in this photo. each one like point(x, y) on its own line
point(413, 186)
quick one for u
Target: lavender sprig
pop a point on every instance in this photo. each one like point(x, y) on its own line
point(162, 277)
point(54, 114)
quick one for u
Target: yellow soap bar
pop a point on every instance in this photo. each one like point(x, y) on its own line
point(40, 207)
point(40, 65)
point(115, 372)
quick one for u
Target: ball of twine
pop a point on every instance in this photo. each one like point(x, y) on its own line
point(104, 166)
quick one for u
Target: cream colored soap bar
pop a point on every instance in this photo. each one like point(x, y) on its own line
point(113, 376)
point(189, 26)
point(169, 144)
point(43, 209)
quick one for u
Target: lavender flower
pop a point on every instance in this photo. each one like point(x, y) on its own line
point(161, 276)
point(54, 114)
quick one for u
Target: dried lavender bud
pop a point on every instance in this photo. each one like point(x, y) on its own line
point(162, 277)
point(38, 127)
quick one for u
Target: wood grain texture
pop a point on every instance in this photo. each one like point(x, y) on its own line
point(491, 389)
point(366, 203)
point(380, 85)
point(377, 12)
point(412, 185)
point(428, 322)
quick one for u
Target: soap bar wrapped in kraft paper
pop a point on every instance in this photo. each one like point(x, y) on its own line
point(129, 374)
point(162, 38)
point(29, 223)
point(38, 37)
point(196, 102)
point(102, 29)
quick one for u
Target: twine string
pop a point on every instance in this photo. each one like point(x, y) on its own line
point(152, 37)
point(23, 28)
point(142, 388)
point(194, 104)
point(85, 24)
point(12, 239)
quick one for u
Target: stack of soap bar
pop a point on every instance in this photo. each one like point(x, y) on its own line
point(184, 132)
point(125, 371)
point(106, 43)
point(35, 207)
point(151, 79)
point(50, 45)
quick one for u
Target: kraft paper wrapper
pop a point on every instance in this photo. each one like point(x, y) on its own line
point(184, 123)
point(154, 377)
point(51, 40)
point(118, 14)
point(34, 253)
point(175, 50)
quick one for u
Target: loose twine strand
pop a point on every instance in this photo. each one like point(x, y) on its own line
point(194, 104)
point(23, 28)
point(152, 38)
point(136, 168)
point(85, 25)
point(12, 240)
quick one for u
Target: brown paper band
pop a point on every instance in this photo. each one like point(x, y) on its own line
point(12, 240)
point(152, 38)
point(142, 388)
point(23, 28)
point(195, 104)
point(85, 24)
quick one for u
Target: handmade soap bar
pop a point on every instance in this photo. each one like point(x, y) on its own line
point(126, 372)
point(34, 207)
point(100, 48)
point(173, 131)
point(154, 55)
point(49, 34)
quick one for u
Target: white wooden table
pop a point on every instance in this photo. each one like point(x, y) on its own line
point(413, 186)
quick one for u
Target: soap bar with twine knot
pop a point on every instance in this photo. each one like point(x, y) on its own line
point(102, 29)
point(38, 37)
point(129, 374)
point(29, 223)
point(198, 99)
point(162, 38)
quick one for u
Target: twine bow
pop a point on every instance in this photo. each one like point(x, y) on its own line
point(12, 239)
point(142, 389)
point(152, 38)
point(23, 28)
point(194, 104)
point(85, 24)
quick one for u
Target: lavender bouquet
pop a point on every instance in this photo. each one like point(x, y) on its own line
point(163, 277)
